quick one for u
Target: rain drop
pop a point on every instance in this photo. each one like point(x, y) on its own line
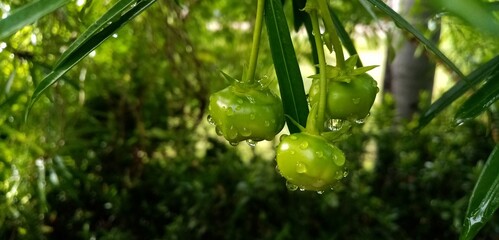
point(234, 143)
point(301, 168)
point(230, 112)
point(293, 137)
point(319, 154)
point(218, 131)
point(320, 192)
point(356, 100)
point(345, 173)
point(360, 121)
point(338, 174)
point(291, 187)
point(252, 116)
point(267, 124)
point(245, 132)
point(302, 188)
point(251, 143)
point(304, 145)
point(334, 124)
point(240, 101)
point(210, 120)
point(232, 132)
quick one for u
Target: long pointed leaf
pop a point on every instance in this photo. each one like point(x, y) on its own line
point(456, 91)
point(484, 199)
point(28, 14)
point(79, 52)
point(402, 23)
point(480, 100)
point(112, 14)
point(286, 65)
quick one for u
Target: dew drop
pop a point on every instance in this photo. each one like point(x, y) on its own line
point(338, 161)
point(334, 124)
point(292, 152)
point(232, 132)
point(234, 143)
point(360, 121)
point(266, 123)
point(293, 137)
point(210, 120)
point(332, 188)
point(245, 132)
point(319, 154)
point(240, 101)
point(301, 168)
point(356, 100)
point(304, 145)
point(252, 116)
point(251, 143)
point(345, 173)
point(218, 131)
point(290, 186)
point(230, 112)
point(320, 192)
point(302, 188)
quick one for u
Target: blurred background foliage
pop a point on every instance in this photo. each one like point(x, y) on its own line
point(120, 149)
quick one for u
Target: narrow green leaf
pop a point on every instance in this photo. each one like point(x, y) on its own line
point(480, 100)
point(484, 199)
point(402, 23)
point(299, 16)
point(28, 14)
point(286, 65)
point(456, 91)
point(112, 14)
point(77, 53)
point(344, 37)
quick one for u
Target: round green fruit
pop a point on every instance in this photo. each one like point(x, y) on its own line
point(309, 162)
point(245, 113)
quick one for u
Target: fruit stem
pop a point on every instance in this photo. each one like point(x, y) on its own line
point(257, 32)
point(322, 68)
point(330, 28)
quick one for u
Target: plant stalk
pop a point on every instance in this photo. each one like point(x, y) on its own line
point(335, 40)
point(322, 68)
point(257, 32)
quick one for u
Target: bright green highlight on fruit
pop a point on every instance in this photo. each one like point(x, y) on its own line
point(309, 162)
point(242, 112)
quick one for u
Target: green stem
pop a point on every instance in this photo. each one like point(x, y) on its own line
point(335, 40)
point(322, 68)
point(257, 32)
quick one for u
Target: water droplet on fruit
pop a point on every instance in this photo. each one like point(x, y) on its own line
point(293, 137)
point(292, 152)
point(267, 123)
point(345, 173)
point(302, 188)
point(251, 143)
point(338, 161)
point(334, 124)
point(240, 101)
point(234, 143)
point(304, 145)
point(301, 168)
point(245, 132)
point(332, 188)
point(319, 154)
point(320, 192)
point(356, 100)
point(290, 186)
point(210, 120)
point(218, 131)
point(232, 134)
point(360, 121)
point(252, 116)
point(230, 112)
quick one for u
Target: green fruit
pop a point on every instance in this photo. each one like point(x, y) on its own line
point(309, 162)
point(246, 113)
point(352, 100)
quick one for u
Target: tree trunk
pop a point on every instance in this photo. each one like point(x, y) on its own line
point(411, 71)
